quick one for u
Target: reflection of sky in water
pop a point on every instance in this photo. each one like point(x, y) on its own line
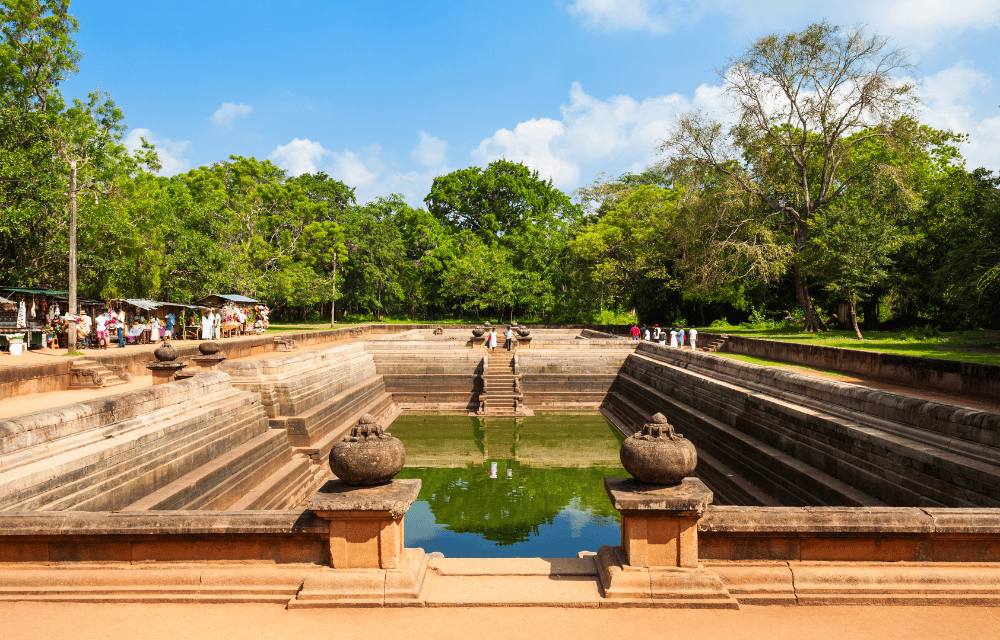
point(547, 498)
point(571, 531)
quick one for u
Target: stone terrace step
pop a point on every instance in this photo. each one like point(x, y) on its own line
point(313, 425)
point(205, 487)
point(108, 473)
point(382, 408)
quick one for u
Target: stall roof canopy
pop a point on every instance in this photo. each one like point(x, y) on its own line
point(149, 305)
point(45, 291)
point(4, 300)
point(232, 297)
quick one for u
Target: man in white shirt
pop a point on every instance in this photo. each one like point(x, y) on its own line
point(102, 331)
point(85, 323)
point(120, 320)
point(693, 335)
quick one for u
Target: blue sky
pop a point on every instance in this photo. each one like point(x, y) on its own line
point(387, 95)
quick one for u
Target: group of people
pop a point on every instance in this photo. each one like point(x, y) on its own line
point(490, 341)
point(678, 335)
point(96, 332)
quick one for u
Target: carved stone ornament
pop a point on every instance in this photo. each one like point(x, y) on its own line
point(208, 348)
point(166, 353)
point(523, 331)
point(368, 456)
point(478, 332)
point(657, 455)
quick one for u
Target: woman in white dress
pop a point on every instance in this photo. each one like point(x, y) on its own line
point(673, 337)
point(493, 339)
point(207, 325)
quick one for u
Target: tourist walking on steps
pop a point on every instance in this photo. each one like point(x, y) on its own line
point(508, 339)
point(493, 340)
point(693, 335)
point(673, 337)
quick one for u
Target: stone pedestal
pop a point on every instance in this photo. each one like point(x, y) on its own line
point(367, 559)
point(165, 371)
point(658, 556)
point(209, 362)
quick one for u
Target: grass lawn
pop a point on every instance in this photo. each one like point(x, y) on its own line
point(774, 363)
point(970, 346)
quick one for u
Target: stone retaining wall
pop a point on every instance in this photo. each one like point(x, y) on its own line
point(733, 534)
point(898, 449)
point(970, 378)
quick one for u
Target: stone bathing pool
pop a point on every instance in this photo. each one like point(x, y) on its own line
point(510, 487)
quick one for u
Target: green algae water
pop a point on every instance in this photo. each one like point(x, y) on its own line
point(510, 487)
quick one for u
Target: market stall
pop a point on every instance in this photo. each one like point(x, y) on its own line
point(240, 315)
point(29, 318)
point(148, 320)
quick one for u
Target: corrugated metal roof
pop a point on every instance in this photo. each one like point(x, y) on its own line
point(232, 297)
point(149, 305)
point(45, 291)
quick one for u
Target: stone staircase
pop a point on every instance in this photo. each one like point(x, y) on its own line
point(715, 345)
point(89, 374)
point(501, 387)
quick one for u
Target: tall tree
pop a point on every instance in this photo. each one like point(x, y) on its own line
point(801, 102)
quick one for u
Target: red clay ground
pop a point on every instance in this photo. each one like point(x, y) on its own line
point(235, 622)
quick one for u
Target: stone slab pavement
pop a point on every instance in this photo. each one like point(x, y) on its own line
point(262, 622)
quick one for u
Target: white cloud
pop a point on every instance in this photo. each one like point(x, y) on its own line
point(171, 153)
point(615, 15)
point(430, 152)
point(947, 96)
point(916, 23)
point(359, 171)
point(299, 156)
point(366, 170)
point(226, 115)
point(620, 130)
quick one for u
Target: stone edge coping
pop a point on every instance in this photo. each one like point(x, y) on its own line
point(143, 523)
point(963, 367)
point(118, 407)
point(337, 497)
point(277, 363)
point(771, 521)
point(749, 521)
point(898, 401)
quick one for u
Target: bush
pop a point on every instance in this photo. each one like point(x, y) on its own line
point(721, 323)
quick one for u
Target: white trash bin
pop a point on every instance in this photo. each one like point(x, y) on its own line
point(15, 349)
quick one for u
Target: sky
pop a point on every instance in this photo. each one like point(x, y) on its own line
point(386, 95)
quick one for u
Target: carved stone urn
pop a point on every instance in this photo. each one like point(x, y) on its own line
point(478, 332)
point(368, 456)
point(657, 455)
point(522, 331)
point(165, 352)
point(208, 348)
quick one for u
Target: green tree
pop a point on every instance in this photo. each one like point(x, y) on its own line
point(802, 102)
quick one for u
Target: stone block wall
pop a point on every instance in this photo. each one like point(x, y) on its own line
point(814, 441)
point(569, 378)
point(970, 378)
point(193, 439)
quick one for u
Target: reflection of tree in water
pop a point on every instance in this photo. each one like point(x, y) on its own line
point(510, 510)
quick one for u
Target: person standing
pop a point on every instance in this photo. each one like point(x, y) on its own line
point(634, 332)
point(693, 334)
point(86, 323)
point(122, 330)
point(508, 339)
point(171, 321)
point(102, 331)
point(154, 328)
point(680, 337)
point(207, 325)
point(656, 333)
point(493, 340)
point(673, 337)
point(218, 326)
point(645, 334)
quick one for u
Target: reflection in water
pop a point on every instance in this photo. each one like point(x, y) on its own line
point(506, 487)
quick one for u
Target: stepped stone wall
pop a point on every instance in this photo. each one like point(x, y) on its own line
point(194, 443)
point(813, 441)
point(577, 378)
point(969, 378)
